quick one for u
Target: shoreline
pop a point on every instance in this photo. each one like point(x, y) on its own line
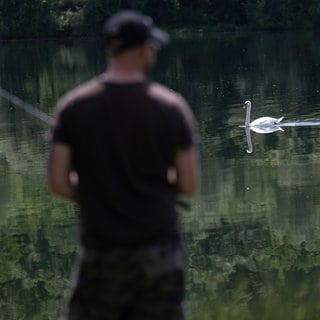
point(176, 32)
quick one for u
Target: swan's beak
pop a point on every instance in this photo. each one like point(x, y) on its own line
point(244, 106)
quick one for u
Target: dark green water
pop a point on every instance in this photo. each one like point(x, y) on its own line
point(253, 234)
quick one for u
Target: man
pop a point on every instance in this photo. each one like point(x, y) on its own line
point(123, 147)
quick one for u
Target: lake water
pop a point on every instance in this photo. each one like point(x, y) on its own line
point(253, 231)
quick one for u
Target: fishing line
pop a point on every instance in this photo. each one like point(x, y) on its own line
point(26, 106)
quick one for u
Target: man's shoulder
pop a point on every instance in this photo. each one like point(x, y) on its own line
point(80, 93)
point(166, 95)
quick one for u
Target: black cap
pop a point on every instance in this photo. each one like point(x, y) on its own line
point(128, 29)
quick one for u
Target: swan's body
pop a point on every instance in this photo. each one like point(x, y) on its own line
point(265, 128)
point(265, 122)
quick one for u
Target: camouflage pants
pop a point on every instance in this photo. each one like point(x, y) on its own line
point(146, 284)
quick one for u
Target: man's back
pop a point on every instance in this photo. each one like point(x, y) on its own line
point(124, 138)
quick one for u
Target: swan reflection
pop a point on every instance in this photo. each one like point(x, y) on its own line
point(260, 130)
point(249, 142)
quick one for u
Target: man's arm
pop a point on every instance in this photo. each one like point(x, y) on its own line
point(187, 171)
point(62, 181)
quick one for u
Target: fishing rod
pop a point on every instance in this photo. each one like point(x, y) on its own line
point(26, 106)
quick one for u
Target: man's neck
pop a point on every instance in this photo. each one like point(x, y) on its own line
point(113, 76)
point(124, 69)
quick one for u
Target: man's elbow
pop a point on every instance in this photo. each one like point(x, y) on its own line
point(187, 171)
point(189, 189)
point(53, 185)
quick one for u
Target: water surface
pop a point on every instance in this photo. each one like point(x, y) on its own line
point(253, 231)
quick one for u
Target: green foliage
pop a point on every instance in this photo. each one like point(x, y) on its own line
point(39, 18)
point(282, 14)
point(243, 271)
point(27, 18)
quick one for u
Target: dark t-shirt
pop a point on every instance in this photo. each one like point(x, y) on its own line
point(123, 138)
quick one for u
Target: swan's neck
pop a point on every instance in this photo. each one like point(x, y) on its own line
point(247, 122)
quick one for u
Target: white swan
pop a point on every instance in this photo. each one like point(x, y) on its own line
point(260, 122)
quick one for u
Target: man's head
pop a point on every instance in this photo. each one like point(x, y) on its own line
point(129, 29)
